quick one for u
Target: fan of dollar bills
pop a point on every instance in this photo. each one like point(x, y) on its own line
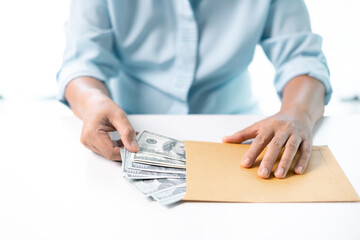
point(158, 170)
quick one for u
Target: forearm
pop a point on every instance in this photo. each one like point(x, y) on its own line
point(81, 91)
point(304, 95)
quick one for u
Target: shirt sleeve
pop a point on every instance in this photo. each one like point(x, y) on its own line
point(89, 44)
point(291, 46)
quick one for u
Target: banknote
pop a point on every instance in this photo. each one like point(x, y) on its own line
point(153, 168)
point(152, 143)
point(125, 157)
point(151, 186)
point(173, 200)
point(132, 176)
point(141, 174)
point(170, 196)
point(144, 158)
point(158, 169)
point(136, 174)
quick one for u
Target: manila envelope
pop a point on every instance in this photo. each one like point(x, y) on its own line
point(213, 173)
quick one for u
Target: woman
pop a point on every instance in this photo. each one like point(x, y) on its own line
point(187, 57)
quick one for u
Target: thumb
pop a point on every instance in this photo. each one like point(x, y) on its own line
point(243, 135)
point(126, 131)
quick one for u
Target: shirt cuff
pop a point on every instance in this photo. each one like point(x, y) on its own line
point(72, 71)
point(310, 66)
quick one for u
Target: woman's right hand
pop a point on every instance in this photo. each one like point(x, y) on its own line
point(90, 101)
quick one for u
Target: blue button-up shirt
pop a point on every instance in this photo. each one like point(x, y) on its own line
point(188, 56)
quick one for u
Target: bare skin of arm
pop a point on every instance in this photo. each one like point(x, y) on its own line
point(291, 128)
point(90, 101)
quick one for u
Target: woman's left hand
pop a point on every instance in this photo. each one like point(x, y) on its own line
point(291, 129)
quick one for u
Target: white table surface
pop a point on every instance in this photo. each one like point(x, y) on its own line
point(51, 187)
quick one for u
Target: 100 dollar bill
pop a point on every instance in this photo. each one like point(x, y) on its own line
point(153, 168)
point(152, 186)
point(141, 157)
point(156, 144)
point(170, 196)
point(141, 174)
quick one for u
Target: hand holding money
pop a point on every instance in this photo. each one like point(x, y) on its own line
point(90, 100)
point(158, 168)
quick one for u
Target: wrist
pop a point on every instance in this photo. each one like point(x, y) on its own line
point(91, 98)
point(300, 112)
point(84, 94)
point(304, 96)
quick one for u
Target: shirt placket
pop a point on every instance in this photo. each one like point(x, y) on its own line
point(186, 49)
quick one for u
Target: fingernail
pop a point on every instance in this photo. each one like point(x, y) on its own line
point(135, 145)
point(246, 162)
point(264, 173)
point(279, 172)
point(299, 169)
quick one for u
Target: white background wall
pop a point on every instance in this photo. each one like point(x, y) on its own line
point(338, 22)
point(32, 42)
point(31, 46)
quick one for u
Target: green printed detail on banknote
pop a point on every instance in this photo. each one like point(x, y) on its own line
point(158, 170)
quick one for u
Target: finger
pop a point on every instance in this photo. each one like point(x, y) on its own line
point(112, 154)
point(245, 134)
point(93, 149)
point(126, 131)
point(118, 143)
point(305, 152)
point(272, 153)
point(96, 151)
point(291, 147)
point(259, 143)
point(104, 144)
